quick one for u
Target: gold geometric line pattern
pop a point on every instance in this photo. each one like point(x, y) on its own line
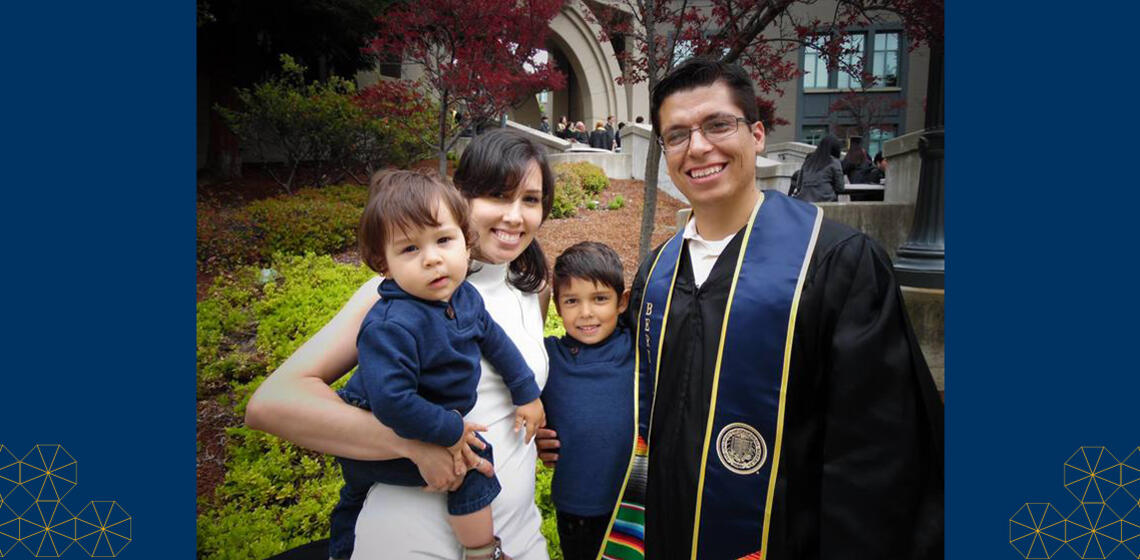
point(1106, 521)
point(32, 513)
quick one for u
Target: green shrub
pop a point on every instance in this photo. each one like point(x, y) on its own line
point(568, 193)
point(315, 122)
point(553, 326)
point(300, 226)
point(312, 290)
point(312, 220)
point(226, 328)
point(594, 179)
point(330, 126)
point(274, 496)
point(617, 202)
point(575, 186)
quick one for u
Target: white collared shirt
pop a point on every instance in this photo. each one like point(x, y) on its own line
point(703, 252)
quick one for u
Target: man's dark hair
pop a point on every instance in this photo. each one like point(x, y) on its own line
point(589, 260)
point(878, 157)
point(640, 119)
point(401, 201)
point(705, 71)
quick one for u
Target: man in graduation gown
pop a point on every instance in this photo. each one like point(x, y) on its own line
point(785, 409)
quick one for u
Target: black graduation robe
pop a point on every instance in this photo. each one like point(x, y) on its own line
point(860, 474)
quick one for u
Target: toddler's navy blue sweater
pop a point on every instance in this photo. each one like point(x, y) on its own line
point(419, 362)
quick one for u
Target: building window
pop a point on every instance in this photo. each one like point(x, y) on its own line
point(849, 62)
point(878, 136)
point(390, 66)
point(815, 67)
point(813, 134)
point(873, 51)
point(885, 60)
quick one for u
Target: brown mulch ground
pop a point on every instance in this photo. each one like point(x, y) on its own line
point(617, 228)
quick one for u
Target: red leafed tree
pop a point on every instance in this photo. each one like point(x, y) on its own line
point(758, 34)
point(478, 56)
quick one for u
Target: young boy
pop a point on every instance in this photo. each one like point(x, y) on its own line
point(419, 349)
point(589, 396)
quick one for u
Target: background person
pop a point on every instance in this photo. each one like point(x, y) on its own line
point(600, 138)
point(580, 135)
point(820, 178)
point(510, 187)
point(879, 174)
point(856, 164)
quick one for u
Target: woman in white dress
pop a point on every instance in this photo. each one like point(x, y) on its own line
point(510, 187)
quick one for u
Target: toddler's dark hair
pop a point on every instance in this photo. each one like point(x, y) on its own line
point(589, 260)
point(404, 200)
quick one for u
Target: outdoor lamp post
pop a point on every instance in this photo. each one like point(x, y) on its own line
point(921, 259)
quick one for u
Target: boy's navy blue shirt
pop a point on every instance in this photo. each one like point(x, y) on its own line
point(589, 403)
point(419, 362)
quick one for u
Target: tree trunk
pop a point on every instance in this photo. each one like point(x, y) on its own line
point(443, 135)
point(649, 208)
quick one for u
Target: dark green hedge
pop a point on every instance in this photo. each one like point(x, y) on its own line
point(318, 221)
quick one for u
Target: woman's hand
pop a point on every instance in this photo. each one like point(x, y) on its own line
point(445, 471)
point(530, 416)
point(436, 466)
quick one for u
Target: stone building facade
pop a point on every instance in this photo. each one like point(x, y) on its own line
point(891, 106)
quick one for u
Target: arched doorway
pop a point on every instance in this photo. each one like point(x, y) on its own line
point(591, 92)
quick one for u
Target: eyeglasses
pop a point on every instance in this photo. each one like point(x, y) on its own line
point(713, 130)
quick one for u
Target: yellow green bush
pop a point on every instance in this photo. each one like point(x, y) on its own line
point(575, 185)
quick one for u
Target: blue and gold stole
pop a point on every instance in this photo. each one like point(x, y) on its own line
point(743, 432)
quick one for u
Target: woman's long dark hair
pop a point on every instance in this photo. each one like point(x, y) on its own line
point(494, 164)
point(828, 148)
point(856, 157)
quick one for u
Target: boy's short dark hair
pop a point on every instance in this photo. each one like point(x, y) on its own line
point(589, 260)
point(705, 71)
point(405, 200)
